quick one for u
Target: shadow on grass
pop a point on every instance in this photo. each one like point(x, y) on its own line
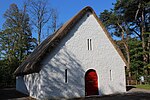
point(129, 87)
point(10, 93)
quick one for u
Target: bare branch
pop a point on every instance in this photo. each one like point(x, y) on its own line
point(139, 6)
point(40, 15)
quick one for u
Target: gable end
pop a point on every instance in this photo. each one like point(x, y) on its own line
point(32, 63)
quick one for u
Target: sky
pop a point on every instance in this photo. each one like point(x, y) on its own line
point(66, 8)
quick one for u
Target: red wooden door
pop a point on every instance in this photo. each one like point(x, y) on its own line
point(91, 83)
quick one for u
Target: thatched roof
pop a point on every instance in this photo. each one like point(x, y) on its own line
point(32, 63)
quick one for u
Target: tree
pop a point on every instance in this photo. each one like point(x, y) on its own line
point(137, 12)
point(116, 24)
point(129, 20)
point(54, 19)
point(17, 32)
point(16, 41)
point(136, 54)
point(40, 14)
point(53, 24)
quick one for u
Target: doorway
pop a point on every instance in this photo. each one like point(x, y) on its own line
point(91, 83)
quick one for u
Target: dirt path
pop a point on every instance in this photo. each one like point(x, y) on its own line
point(132, 94)
point(127, 96)
point(11, 93)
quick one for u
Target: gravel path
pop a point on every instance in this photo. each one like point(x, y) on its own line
point(132, 94)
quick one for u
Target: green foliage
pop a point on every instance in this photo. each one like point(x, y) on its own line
point(148, 66)
point(147, 87)
point(129, 21)
point(16, 43)
point(7, 78)
point(112, 20)
point(136, 56)
point(132, 8)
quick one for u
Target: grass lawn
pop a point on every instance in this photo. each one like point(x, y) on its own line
point(147, 87)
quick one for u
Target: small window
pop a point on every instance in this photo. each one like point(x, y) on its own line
point(66, 80)
point(110, 75)
point(89, 42)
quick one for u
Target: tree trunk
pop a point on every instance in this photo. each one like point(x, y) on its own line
point(142, 29)
point(148, 47)
point(39, 33)
point(128, 61)
point(39, 36)
point(125, 43)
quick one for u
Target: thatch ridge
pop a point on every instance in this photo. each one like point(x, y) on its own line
point(32, 63)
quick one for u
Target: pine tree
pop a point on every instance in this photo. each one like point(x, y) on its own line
point(16, 41)
point(136, 12)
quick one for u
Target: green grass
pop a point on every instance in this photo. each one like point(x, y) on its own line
point(147, 87)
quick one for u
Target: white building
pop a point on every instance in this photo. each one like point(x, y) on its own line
point(79, 59)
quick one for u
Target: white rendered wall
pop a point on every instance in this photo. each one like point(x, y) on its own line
point(73, 54)
point(30, 85)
